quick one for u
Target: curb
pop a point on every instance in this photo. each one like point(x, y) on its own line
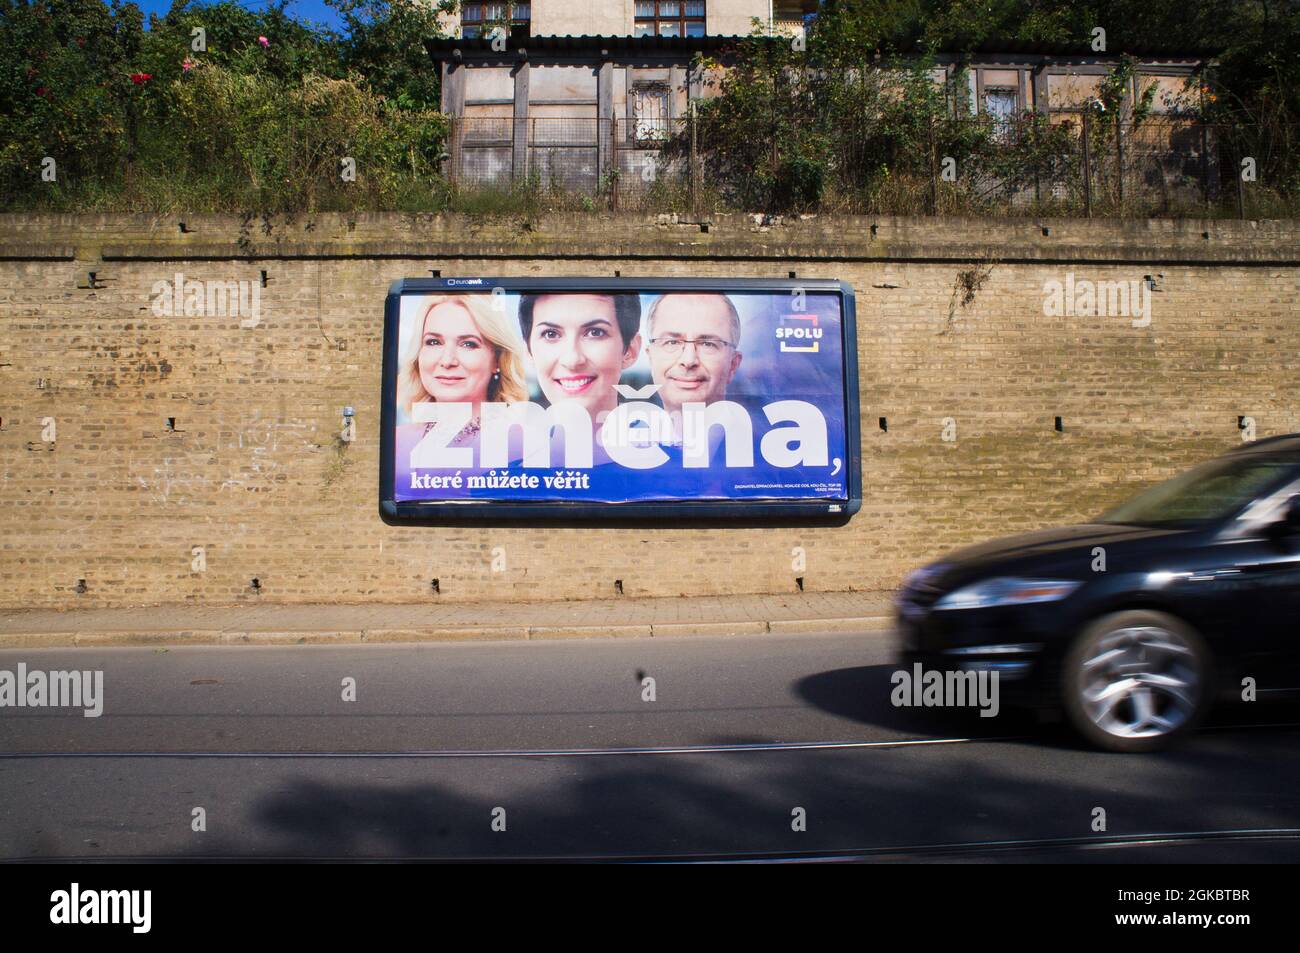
point(290, 638)
point(130, 637)
point(672, 629)
point(466, 633)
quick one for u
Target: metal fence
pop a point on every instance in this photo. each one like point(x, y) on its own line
point(1070, 163)
point(620, 161)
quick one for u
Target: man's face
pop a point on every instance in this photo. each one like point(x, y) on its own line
point(692, 373)
point(578, 350)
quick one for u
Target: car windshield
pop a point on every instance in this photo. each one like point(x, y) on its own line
point(1203, 495)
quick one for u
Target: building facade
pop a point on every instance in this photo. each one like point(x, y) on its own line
point(576, 96)
point(668, 18)
point(572, 95)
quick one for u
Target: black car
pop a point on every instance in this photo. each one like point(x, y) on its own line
point(1135, 623)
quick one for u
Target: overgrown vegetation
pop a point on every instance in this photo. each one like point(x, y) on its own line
point(782, 137)
point(260, 119)
point(1257, 43)
point(856, 120)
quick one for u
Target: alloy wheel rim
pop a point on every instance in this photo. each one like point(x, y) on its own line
point(1140, 682)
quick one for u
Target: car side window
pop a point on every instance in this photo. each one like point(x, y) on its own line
point(1268, 509)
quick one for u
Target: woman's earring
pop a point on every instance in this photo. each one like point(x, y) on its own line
point(496, 375)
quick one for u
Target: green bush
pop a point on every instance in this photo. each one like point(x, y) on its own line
point(260, 120)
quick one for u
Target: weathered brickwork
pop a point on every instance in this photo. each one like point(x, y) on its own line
point(254, 472)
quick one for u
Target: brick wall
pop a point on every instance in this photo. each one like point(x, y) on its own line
point(254, 473)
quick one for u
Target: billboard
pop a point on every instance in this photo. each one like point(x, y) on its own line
point(574, 398)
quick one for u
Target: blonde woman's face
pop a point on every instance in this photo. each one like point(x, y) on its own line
point(456, 362)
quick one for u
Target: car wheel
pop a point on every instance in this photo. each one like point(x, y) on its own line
point(1136, 680)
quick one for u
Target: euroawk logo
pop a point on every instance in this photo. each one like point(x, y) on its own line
point(98, 907)
point(799, 333)
point(208, 299)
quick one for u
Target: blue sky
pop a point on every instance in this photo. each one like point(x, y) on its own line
point(314, 10)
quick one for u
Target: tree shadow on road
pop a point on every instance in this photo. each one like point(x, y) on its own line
point(893, 799)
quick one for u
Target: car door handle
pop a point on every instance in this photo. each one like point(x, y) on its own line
point(1209, 575)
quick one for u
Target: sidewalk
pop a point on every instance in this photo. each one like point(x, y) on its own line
point(433, 622)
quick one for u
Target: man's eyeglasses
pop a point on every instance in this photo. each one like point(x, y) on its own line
point(705, 347)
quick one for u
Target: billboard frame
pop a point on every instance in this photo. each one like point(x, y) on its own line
point(720, 513)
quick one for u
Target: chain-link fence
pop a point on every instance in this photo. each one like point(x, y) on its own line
point(1065, 164)
point(621, 162)
point(1080, 163)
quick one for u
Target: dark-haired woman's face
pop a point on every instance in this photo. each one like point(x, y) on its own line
point(578, 350)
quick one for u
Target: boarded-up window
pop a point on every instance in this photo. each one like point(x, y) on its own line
point(1171, 95)
point(488, 85)
point(1070, 92)
point(1002, 78)
point(553, 84)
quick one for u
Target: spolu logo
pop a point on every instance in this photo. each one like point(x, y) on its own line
point(799, 333)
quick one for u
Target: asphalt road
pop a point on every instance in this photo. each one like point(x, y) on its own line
point(743, 731)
